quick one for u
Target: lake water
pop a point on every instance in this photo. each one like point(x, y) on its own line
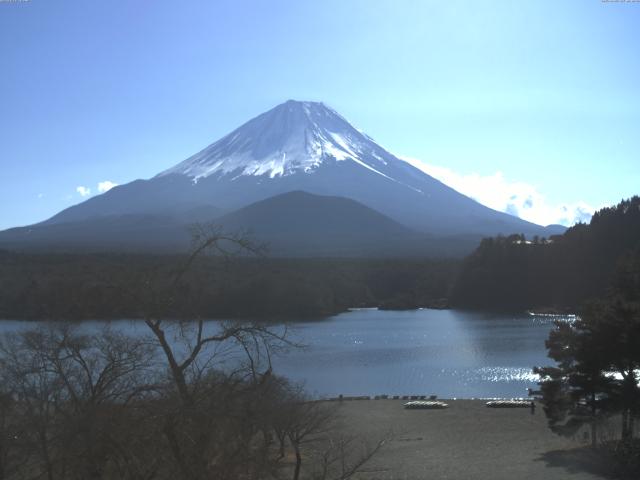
point(449, 353)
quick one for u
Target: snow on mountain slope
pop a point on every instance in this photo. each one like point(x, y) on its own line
point(294, 137)
point(302, 146)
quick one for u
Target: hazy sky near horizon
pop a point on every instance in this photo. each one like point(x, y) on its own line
point(530, 107)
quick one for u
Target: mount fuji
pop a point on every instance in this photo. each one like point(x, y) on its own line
point(294, 147)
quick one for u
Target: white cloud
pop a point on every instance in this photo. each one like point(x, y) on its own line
point(513, 197)
point(40, 195)
point(106, 186)
point(83, 191)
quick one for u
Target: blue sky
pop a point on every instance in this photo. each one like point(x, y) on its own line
point(529, 107)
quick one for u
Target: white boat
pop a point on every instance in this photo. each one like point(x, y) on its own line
point(509, 403)
point(425, 405)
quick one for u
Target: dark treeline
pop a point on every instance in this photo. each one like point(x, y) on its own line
point(102, 286)
point(110, 406)
point(508, 273)
point(559, 273)
point(187, 400)
point(594, 382)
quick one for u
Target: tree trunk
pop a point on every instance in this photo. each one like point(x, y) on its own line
point(1, 463)
point(176, 372)
point(45, 453)
point(625, 423)
point(174, 445)
point(594, 426)
point(296, 473)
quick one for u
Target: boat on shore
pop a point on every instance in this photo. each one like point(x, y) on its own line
point(509, 403)
point(425, 405)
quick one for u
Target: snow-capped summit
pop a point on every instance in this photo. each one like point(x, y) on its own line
point(291, 138)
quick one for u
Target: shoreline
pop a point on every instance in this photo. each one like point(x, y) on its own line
point(466, 441)
point(306, 317)
point(352, 398)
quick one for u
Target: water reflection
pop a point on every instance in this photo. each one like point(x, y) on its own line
point(368, 352)
point(449, 353)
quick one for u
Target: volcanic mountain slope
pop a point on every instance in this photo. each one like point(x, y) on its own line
point(297, 146)
point(294, 224)
point(303, 224)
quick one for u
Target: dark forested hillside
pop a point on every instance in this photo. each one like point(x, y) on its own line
point(512, 272)
point(557, 273)
point(67, 286)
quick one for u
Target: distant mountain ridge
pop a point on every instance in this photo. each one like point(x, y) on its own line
point(302, 224)
point(295, 224)
point(294, 147)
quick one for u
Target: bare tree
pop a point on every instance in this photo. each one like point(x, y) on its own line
point(67, 391)
point(211, 428)
point(308, 420)
point(255, 339)
point(192, 399)
point(13, 456)
point(345, 456)
point(313, 431)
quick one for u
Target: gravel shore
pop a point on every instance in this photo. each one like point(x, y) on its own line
point(465, 441)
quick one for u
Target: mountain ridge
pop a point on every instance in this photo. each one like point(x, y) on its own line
point(301, 146)
point(295, 224)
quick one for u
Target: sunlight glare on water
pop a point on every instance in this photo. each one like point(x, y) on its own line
point(449, 353)
point(445, 352)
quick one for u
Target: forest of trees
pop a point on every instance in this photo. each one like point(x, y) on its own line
point(595, 379)
point(559, 273)
point(187, 400)
point(74, 405)
point(112, 406)
point(594, 270)
point(103, 286)
point(507, 273)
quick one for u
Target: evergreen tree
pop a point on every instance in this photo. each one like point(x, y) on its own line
point(575, 392)
point(560, 273)
point(598, 360)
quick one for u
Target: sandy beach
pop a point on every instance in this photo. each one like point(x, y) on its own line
point(465, 441)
